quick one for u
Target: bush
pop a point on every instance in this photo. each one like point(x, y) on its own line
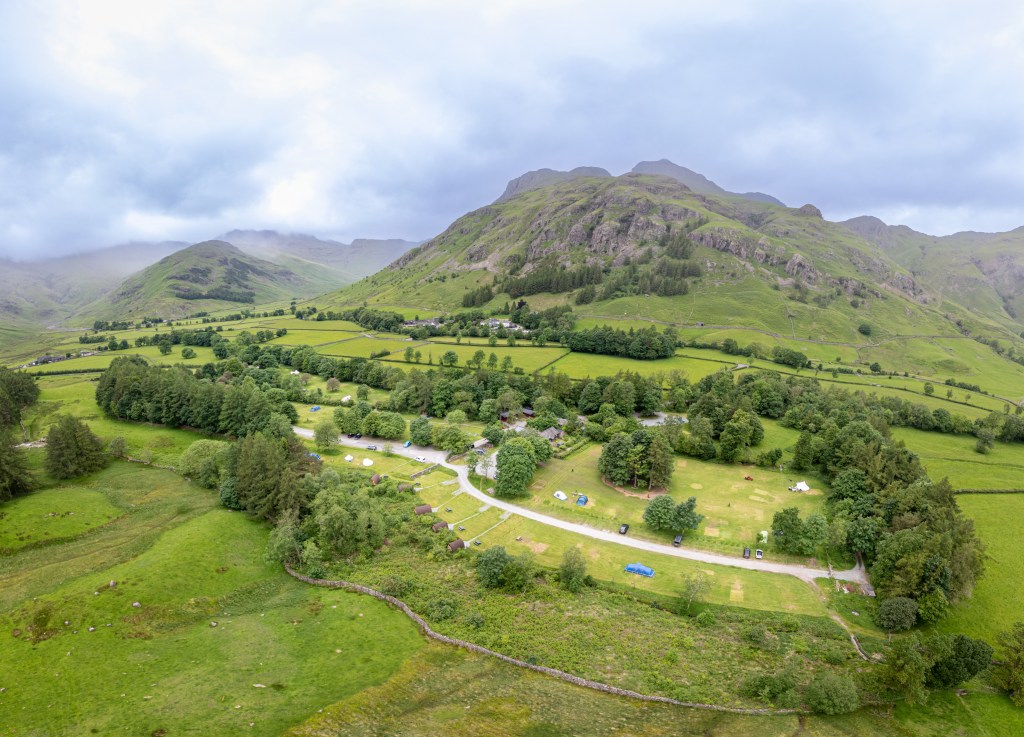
point(442, 609)
point(394, 586)
point(118, 447)
point(830, 694)
point(768, 686)
point(897, 614)
point(706, 618)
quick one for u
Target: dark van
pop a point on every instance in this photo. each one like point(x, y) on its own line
point(746, 552)
point(677, 541)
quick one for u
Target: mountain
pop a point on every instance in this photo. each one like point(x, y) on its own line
point(971, 273)
point(349, 261)
point(543, 177)
point(646, 248)
point(49, 291)
point(208, 276)
point(696, 182)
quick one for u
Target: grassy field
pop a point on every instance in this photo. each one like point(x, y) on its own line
point(734, 509)
point(486, 698)
point(316, 337)
point(999, 596)
point(76, 394)
point(606, 561)
point(52, 515)
point(360, 347)
point(953, 457)
point(163, 665)
point(581, 365)
point(151, 353)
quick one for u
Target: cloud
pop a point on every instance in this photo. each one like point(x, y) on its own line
point(127, 120)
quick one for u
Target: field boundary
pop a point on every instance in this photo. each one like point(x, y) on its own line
point(561, 675)
point(988, 491)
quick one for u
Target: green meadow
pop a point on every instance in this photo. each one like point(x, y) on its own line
point(169, 647)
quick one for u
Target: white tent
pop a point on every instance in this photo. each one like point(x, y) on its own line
point(348, 458)
point(800, 486)
point(367, 462)
point(560, 495)
point(347, 398)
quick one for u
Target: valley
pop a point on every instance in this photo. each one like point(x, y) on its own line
point(630, 342)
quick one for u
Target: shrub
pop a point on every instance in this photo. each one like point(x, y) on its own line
point(897, 614)
point(829, 693)
point(706, 618)
point(768, 686)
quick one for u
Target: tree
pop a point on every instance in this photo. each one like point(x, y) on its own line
point(455, 417)
point(449, 438)
point(490, 567)
point(695, 585)
point(614, 460)
point(484, 464)
point(325, 434)
point(803, 453)
point(202, 462)
point(72, 449)
point(687, 517)
point(165, 348)
point(419, 431)
point(660, 513)
point(15, 477)
point(572, 573)
point(701, 442)
point(907, 665)
point(897, 614)
point(830, 693)
point(516, 465)
point(187, 353)
point(333, 385)
point(449, 358)
point(929, 389)
point(661, 463)
point(362, 392)
point(864, 328)
point(118, 447)
point(787, 529)
point(958, 659)
point(1009, 674)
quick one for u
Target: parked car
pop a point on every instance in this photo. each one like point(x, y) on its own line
point(371, 447)
point(358, 435)
point(746, 552)
point(677, 541)
point(479, 452)
point(623, 529)
point(350, 435)
point(421, 459)
point(407, 443)
point(759, 553)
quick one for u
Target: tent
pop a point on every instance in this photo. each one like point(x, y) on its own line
point(367, 462)
point(560, 495)
point(639, 569)
point(800, 486)
point(349, 458)
point(582, 501)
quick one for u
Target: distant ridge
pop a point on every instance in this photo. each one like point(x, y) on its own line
point(697, 182)
point(543, 177)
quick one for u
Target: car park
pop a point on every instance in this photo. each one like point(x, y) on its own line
point(623, 529)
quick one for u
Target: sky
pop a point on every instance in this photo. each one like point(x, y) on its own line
point(149, 121)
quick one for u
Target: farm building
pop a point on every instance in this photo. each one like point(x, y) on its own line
point(423, 509)
point(456, 544)
point(551, 434)
point(405, 487)
point(481, 443)
point(438, 526)
point(375, 479)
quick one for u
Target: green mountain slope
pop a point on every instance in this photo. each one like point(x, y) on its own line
point(640, 248)
point(978, 277)
point(207, 276)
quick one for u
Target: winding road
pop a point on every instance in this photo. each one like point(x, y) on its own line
point(804, 573)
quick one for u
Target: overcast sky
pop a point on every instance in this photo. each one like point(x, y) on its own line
point(146, 120)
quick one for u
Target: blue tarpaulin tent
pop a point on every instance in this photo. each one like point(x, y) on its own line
point(639, 569)
point(582, 501)
point(315, 409)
